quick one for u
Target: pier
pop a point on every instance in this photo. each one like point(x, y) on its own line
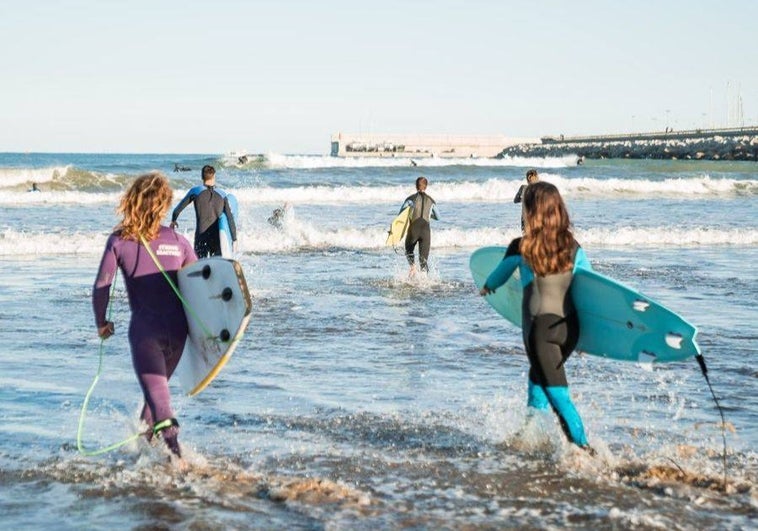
point(422, 146)
point(736, 143)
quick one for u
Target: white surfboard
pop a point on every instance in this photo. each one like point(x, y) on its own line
point(218, 312)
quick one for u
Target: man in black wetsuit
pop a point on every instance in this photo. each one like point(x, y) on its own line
point(531, 177)
point(423, 208)
point(209, 203)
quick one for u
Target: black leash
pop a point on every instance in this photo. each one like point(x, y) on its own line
point(701, 361)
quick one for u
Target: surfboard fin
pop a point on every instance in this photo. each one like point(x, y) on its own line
point(645, 360)
point(674, 340)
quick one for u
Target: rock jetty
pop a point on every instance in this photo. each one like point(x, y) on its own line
point(713, 144)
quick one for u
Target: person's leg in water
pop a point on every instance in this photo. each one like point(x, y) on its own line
point(547, 377)
point(154, 361)
point(410, 244)
point(424, 245)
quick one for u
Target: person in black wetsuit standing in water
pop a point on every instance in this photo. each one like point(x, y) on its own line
point(210, 202)
point(531, 177)
point(423, 208)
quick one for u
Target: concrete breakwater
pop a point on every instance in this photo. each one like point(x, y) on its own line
point(707, 144)
point(422, 146)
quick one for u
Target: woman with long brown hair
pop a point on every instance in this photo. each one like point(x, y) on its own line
point(158, 326)
point(546, 257)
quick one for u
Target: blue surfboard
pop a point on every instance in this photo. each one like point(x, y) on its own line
point(615, 321)
point(225, 233)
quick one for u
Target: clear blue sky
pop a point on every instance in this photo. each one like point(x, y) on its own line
point(282, 75)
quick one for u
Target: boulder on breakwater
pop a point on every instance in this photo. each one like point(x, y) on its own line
point(714, 144)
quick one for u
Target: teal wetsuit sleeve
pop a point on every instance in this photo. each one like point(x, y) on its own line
point(581, 260)
point(183, 203)
point(503, 272)
point(406, 203)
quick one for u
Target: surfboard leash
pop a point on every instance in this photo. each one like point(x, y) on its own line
point(206, 331)
point(701, 361)
point(88, 395)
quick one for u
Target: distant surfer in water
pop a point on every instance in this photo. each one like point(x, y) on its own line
point(531, 177)
point(423, 208)
point(34, 188)
point(546, 257)
point(210, 202)
point(158, 327)
point(278, 216)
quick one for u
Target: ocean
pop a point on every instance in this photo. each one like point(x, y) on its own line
point(361, 398)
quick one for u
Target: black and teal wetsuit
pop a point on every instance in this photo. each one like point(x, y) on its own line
point(210, 203)
point(419, 232)
point(550, 333)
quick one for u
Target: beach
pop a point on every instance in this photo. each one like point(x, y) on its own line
point(360, 398)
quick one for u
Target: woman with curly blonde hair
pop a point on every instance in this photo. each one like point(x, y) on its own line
point(158, 326)
point(546, 257)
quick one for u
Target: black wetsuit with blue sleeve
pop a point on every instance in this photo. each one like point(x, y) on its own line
point(550, 333)
point(210, 203)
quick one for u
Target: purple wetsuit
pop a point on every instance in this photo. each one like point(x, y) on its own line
point(158, 327)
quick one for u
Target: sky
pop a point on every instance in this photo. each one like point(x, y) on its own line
point(282, 76)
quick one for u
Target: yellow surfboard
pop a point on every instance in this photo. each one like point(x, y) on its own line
point(399, 227)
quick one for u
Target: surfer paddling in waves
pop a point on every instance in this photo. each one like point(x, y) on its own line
point(423, 208)
point(158, 327)
point(546, 257)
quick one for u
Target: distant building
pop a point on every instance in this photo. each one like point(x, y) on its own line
point(421, 146)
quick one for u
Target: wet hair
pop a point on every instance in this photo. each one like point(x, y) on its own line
point(208, 173)
point(548, 244)
point(143, 206)
point(421, 184)
point(531, 173)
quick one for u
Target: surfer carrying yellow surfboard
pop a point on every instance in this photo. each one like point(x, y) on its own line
point(423, 208)
point(546, 257)
point(158, 327)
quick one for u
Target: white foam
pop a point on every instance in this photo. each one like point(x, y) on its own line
point(23, 243)
point(16, 176)
point(302, 235)
point(494, 190)
point(279, 161)
point(11, 198)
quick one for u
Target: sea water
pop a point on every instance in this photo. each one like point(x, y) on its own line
point(361, 398)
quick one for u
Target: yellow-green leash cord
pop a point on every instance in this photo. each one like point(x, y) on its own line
point(160, 425)
point(171, 283)
point(206, 331)
point(80, 431)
